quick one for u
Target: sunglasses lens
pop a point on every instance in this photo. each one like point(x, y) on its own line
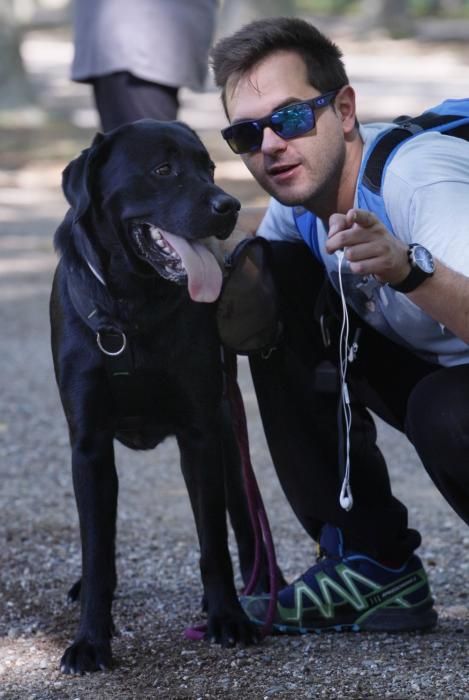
point(287, 122)
point(293, 121)
point(244, 138)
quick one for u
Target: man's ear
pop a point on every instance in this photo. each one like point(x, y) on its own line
point(77, 178)
point(345, 107)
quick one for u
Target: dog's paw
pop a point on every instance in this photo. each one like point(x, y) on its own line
point(84, 657)
point(229, 629)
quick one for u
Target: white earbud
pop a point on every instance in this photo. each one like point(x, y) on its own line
point(346, 498)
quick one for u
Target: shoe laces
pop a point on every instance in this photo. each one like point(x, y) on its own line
point(322, 555)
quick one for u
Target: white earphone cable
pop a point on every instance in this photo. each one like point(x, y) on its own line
point(345, 498)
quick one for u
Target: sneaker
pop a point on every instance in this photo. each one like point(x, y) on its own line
point(347, 590)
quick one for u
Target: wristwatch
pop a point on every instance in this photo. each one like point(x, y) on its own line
point(422, 266)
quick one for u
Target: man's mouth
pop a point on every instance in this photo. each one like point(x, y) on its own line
point(179, 260)
point(282, 170)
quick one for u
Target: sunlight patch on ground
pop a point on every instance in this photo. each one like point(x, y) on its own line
point(27, 660)
point(232, 170)
point(40, 51)
point(26, 265)
point(38, 174)
point(27, 204)
point(18, 291)
point(410, 62)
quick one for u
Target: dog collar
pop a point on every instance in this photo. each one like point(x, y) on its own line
point(95, 273)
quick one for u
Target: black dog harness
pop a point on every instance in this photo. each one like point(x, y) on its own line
point(114, 341)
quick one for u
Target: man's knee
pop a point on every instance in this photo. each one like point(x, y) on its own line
point(438, 409)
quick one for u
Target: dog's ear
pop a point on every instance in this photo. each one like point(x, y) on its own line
point(77, 178)
point(190, 130)
point(77, 184)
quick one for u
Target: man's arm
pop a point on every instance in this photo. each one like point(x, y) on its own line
point(372, 250)
point(445, 297)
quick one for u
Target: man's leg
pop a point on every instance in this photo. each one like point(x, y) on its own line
point(300, 422)
point(438, 426)
point(428, 402)
point(122, 98)
point(367, 576)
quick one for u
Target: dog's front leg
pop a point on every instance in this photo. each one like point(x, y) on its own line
point(95, 484)
point(202, 466)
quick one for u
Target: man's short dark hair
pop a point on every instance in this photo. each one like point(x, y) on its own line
point(238, 53)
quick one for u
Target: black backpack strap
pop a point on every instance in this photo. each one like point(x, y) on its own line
point(406, 127)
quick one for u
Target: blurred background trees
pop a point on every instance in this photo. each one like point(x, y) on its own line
point(16, 18)
point(14, 87)
point(394, 18)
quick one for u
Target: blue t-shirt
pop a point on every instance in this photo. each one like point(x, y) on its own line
point(426, 197)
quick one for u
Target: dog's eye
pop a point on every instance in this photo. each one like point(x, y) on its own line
point(163, 170)
point(211, 170)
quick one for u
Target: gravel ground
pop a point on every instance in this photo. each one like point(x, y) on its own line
point(159, 591)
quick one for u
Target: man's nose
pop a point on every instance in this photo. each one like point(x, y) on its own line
point(272, 142)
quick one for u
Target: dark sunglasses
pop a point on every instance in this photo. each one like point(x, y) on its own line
point(287, 122)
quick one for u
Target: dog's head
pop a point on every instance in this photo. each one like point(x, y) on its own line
point(146, 191)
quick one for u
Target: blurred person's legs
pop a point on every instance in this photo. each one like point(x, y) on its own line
point(121, 98)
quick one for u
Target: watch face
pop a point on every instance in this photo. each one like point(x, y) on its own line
point(423, 259)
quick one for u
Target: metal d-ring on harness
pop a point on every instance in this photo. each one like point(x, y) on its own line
point(111, 340)
point(110, 353)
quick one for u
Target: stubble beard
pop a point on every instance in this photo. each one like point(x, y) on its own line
point(322, 199)
point(318, 197)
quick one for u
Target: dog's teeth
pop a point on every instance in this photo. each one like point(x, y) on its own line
point(161, 243)
point(166, 249)
point(155, 234)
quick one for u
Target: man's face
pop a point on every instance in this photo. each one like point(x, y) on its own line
point(304, 170)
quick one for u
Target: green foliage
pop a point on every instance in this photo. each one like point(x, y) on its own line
point(326, 7)
point(418, 8)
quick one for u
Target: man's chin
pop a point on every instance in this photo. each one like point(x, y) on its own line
point(290, 199)
point(288, 195)
point(300, 197)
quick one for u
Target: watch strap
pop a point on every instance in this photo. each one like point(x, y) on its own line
point(415, 277)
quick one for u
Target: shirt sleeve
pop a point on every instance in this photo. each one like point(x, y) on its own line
point(426, 194)
point(439, 220)
point(278, 223)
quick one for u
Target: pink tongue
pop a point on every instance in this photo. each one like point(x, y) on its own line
point(203, 271)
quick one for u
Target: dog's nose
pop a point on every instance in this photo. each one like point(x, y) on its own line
point(225, 204)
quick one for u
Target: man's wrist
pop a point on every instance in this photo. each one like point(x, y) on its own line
point(421, 266)
point(404, 271)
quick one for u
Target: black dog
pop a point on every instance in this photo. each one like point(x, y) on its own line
point(137, 357)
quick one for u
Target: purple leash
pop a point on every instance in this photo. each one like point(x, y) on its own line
point(257, 512)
